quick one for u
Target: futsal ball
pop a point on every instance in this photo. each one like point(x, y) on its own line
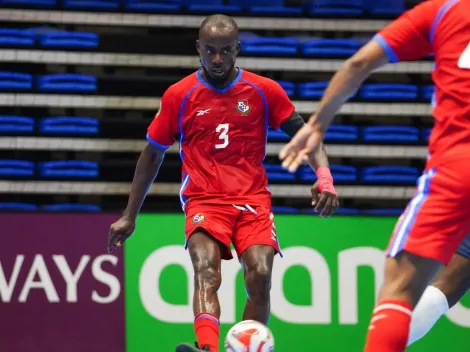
point(249, 336)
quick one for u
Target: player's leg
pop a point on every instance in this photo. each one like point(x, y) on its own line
point(206, 256)
point(256, 243)
point(208, 230)
point(257, 264)
point(447, 288)
point(427, 235)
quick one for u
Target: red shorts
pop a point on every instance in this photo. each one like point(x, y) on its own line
point(238, 225)
point(437, 219)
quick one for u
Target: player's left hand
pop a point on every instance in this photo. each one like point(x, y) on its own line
point(324, 202)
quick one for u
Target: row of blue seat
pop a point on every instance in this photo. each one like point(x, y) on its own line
point(369, 134)
point(376, 91)
point(61, 125)
point(90, 169)
point(348, 173)
point(336, 133)
point(56, 169)
point(72, 82)
point(274, 7)
point(49, 39)
point(14, 206)
point(339, 211)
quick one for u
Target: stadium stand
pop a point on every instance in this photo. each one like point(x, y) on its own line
point(82, 79)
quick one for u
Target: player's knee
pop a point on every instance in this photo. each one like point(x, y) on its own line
point(207, 275)
point(258, 280)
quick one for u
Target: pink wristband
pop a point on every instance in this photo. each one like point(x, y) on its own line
point(325, 180)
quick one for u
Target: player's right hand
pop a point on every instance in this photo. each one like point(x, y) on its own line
point(300, 148)
point(324, 202)
point(119, 232)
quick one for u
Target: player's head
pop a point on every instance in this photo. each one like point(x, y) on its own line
point(218, 46)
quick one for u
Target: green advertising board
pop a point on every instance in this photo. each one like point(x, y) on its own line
point(323, 289)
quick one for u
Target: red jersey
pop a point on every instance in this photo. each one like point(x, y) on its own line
point(441, 27)
point(223, 135)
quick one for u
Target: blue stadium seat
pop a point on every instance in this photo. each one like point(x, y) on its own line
point(340, 173)
point(285, 210)
point(385, 7)
point(16, 124)
point(213, 6)
point(330, 47)
point(62, 39)
point(270, 46)
point(69, 125)
point(68, 82)
point(312, 90)
point(279, 135)
point(153, 5)
point(391, 134)
point(16, 168)
point(337, 8)
point(16, 37)
point(389, 174)
point(15, 80)
point(12, 206)
point(278, 173)
point(92, 4)
point(427, 134)
point(71, 207)
point(267, 7)
point(347, 211)
point(342, 133)
point(38, 3)
point(391, 211)
point(427, 92)
point(289, 87)
point(69, 169)
point(393, 91)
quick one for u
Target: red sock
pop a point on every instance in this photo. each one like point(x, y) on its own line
point(206, 326)
point(389, 327)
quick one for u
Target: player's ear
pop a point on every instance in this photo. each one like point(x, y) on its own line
point(197, 45)
point(238, 46)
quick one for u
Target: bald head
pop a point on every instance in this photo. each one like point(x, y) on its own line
point(217, 26)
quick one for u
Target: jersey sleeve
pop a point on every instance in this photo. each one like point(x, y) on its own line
point(280, 107)
point(163, 130)
point(410, 36)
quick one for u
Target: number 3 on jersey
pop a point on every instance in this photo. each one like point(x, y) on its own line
point(464, 60)
point(222, 129)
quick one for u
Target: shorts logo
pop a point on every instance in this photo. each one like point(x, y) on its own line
point(198, 218)
point(243, 106)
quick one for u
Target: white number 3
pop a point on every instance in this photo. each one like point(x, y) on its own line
point(223, 130)
point(464, 60)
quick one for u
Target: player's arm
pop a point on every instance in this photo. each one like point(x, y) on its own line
point(323, 191)
point(160, 136)
point(407, 38)
point(145, 173)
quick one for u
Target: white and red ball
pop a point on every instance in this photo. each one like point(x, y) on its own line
point(249, 336)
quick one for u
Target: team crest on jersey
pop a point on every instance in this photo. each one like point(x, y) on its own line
point(198, 218)
point(243, 106)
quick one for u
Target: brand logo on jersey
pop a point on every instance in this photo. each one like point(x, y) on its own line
point(203, 112)
point(198, 218)
point(243, 107)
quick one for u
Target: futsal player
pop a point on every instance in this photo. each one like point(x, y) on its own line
point(437, 219)
point(222, 113)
